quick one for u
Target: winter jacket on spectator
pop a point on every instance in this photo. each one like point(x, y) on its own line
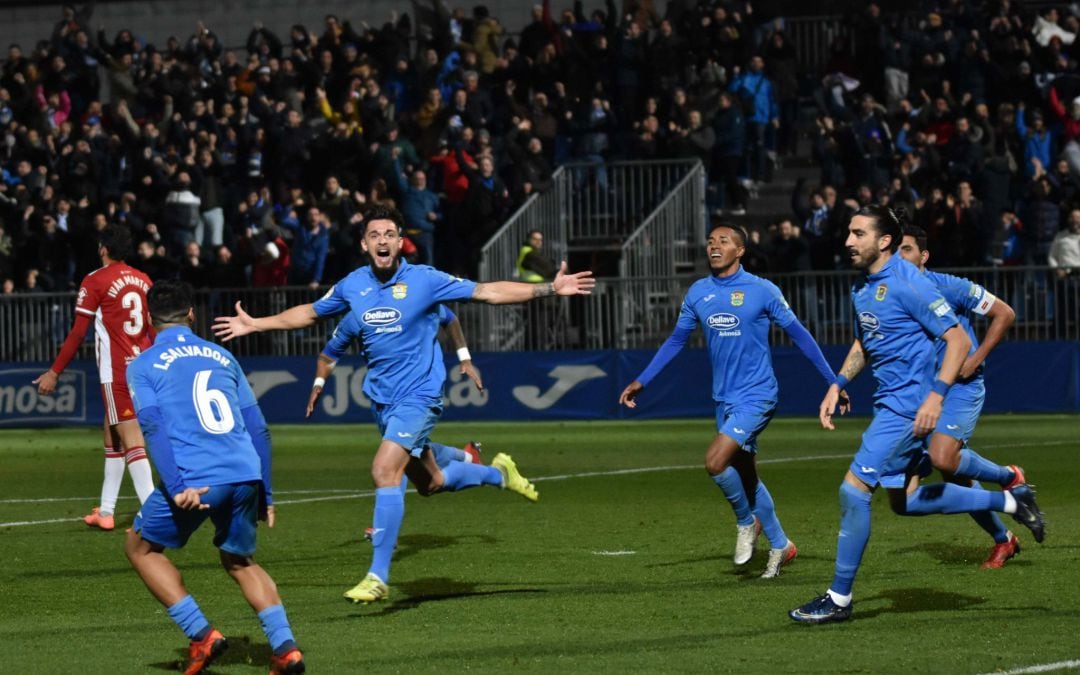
point(416, 204)
point(310, 245)
point(758, 87)
point(1038, 143)
point(730, 129)
point(1070, 119)
point(272, 261)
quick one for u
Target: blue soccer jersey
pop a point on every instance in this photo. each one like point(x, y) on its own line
point(398, 321)
point(899, 313)
point(349, 329)
point(966, 298)
point(735, 312)
point(201, 393)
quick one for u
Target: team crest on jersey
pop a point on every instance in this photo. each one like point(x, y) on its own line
point(399, 291)
point(737, 298)
point(881, 291)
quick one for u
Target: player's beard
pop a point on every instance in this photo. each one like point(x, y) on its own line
point(384, 274)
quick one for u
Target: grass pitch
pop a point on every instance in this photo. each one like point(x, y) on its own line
point(623, 565)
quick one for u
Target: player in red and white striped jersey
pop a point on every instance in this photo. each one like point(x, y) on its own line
point(113, 298)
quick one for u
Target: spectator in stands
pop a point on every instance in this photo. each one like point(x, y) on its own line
point(151, 262)
point(193, 267)
point(1064, 254)
point(421, 210)
point(224, 271)
point(755, 93)
point(789, 252)
point(532, 265)
point(310, 245)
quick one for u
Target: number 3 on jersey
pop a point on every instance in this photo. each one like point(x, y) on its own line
point(133, 301)
point(211, 405)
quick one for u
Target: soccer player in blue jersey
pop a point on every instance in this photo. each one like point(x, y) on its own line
point(949, 448)
point(210, 445)
point(396, 304)
point(899, 314)
point(735, 309)
point(344, 335)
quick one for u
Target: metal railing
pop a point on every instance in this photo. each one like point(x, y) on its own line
point(621, 314)
point(670, 239)
point(590, 205)
point(813, 37)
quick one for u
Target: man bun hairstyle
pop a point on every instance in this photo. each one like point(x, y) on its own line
point(169, 301)
point(887, 221)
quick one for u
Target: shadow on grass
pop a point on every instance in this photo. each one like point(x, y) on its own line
point(241, 650)
point(951, 554)
point(411, 544)
point(910, 600)
point(437, 589)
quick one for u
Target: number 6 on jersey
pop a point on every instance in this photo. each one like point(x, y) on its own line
point(211, 405)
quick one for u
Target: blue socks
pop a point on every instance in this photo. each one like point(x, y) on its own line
point(951, 498)
point(389, 512)
point(276, 626)
point(463, 475)
point(980, 468)
point(189, 617)
point(854, 535)
point(444, 454)
point(765, 511)
point(732, 487)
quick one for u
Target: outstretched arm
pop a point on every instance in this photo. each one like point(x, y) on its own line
point(510, 292)
point(228, 327)
point(669, 350)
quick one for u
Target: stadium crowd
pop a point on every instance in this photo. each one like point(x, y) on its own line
point(253, 165)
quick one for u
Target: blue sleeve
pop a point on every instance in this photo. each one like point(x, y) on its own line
point(1021, 126)
point(156, 432)
point(810, 349)
point(343, 336)
point(927, 306)
point(777, 308)
point(333, 302)
point(446, 317)
point(140, 386)
point(260, 438)
point(684, 328)
point(448, 288)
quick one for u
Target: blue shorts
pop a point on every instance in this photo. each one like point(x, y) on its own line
point(743, 422)
point(961, 409)
point(408, 423)
point(234, 510)
point(890, 452)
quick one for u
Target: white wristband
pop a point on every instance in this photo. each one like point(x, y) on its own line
point(319, 382)
point(463, 354)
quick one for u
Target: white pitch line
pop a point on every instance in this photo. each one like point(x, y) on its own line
point(1043, 668)
point(345, 494)
point(614, 553)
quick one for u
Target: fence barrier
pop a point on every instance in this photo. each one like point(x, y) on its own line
point(620, 314)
